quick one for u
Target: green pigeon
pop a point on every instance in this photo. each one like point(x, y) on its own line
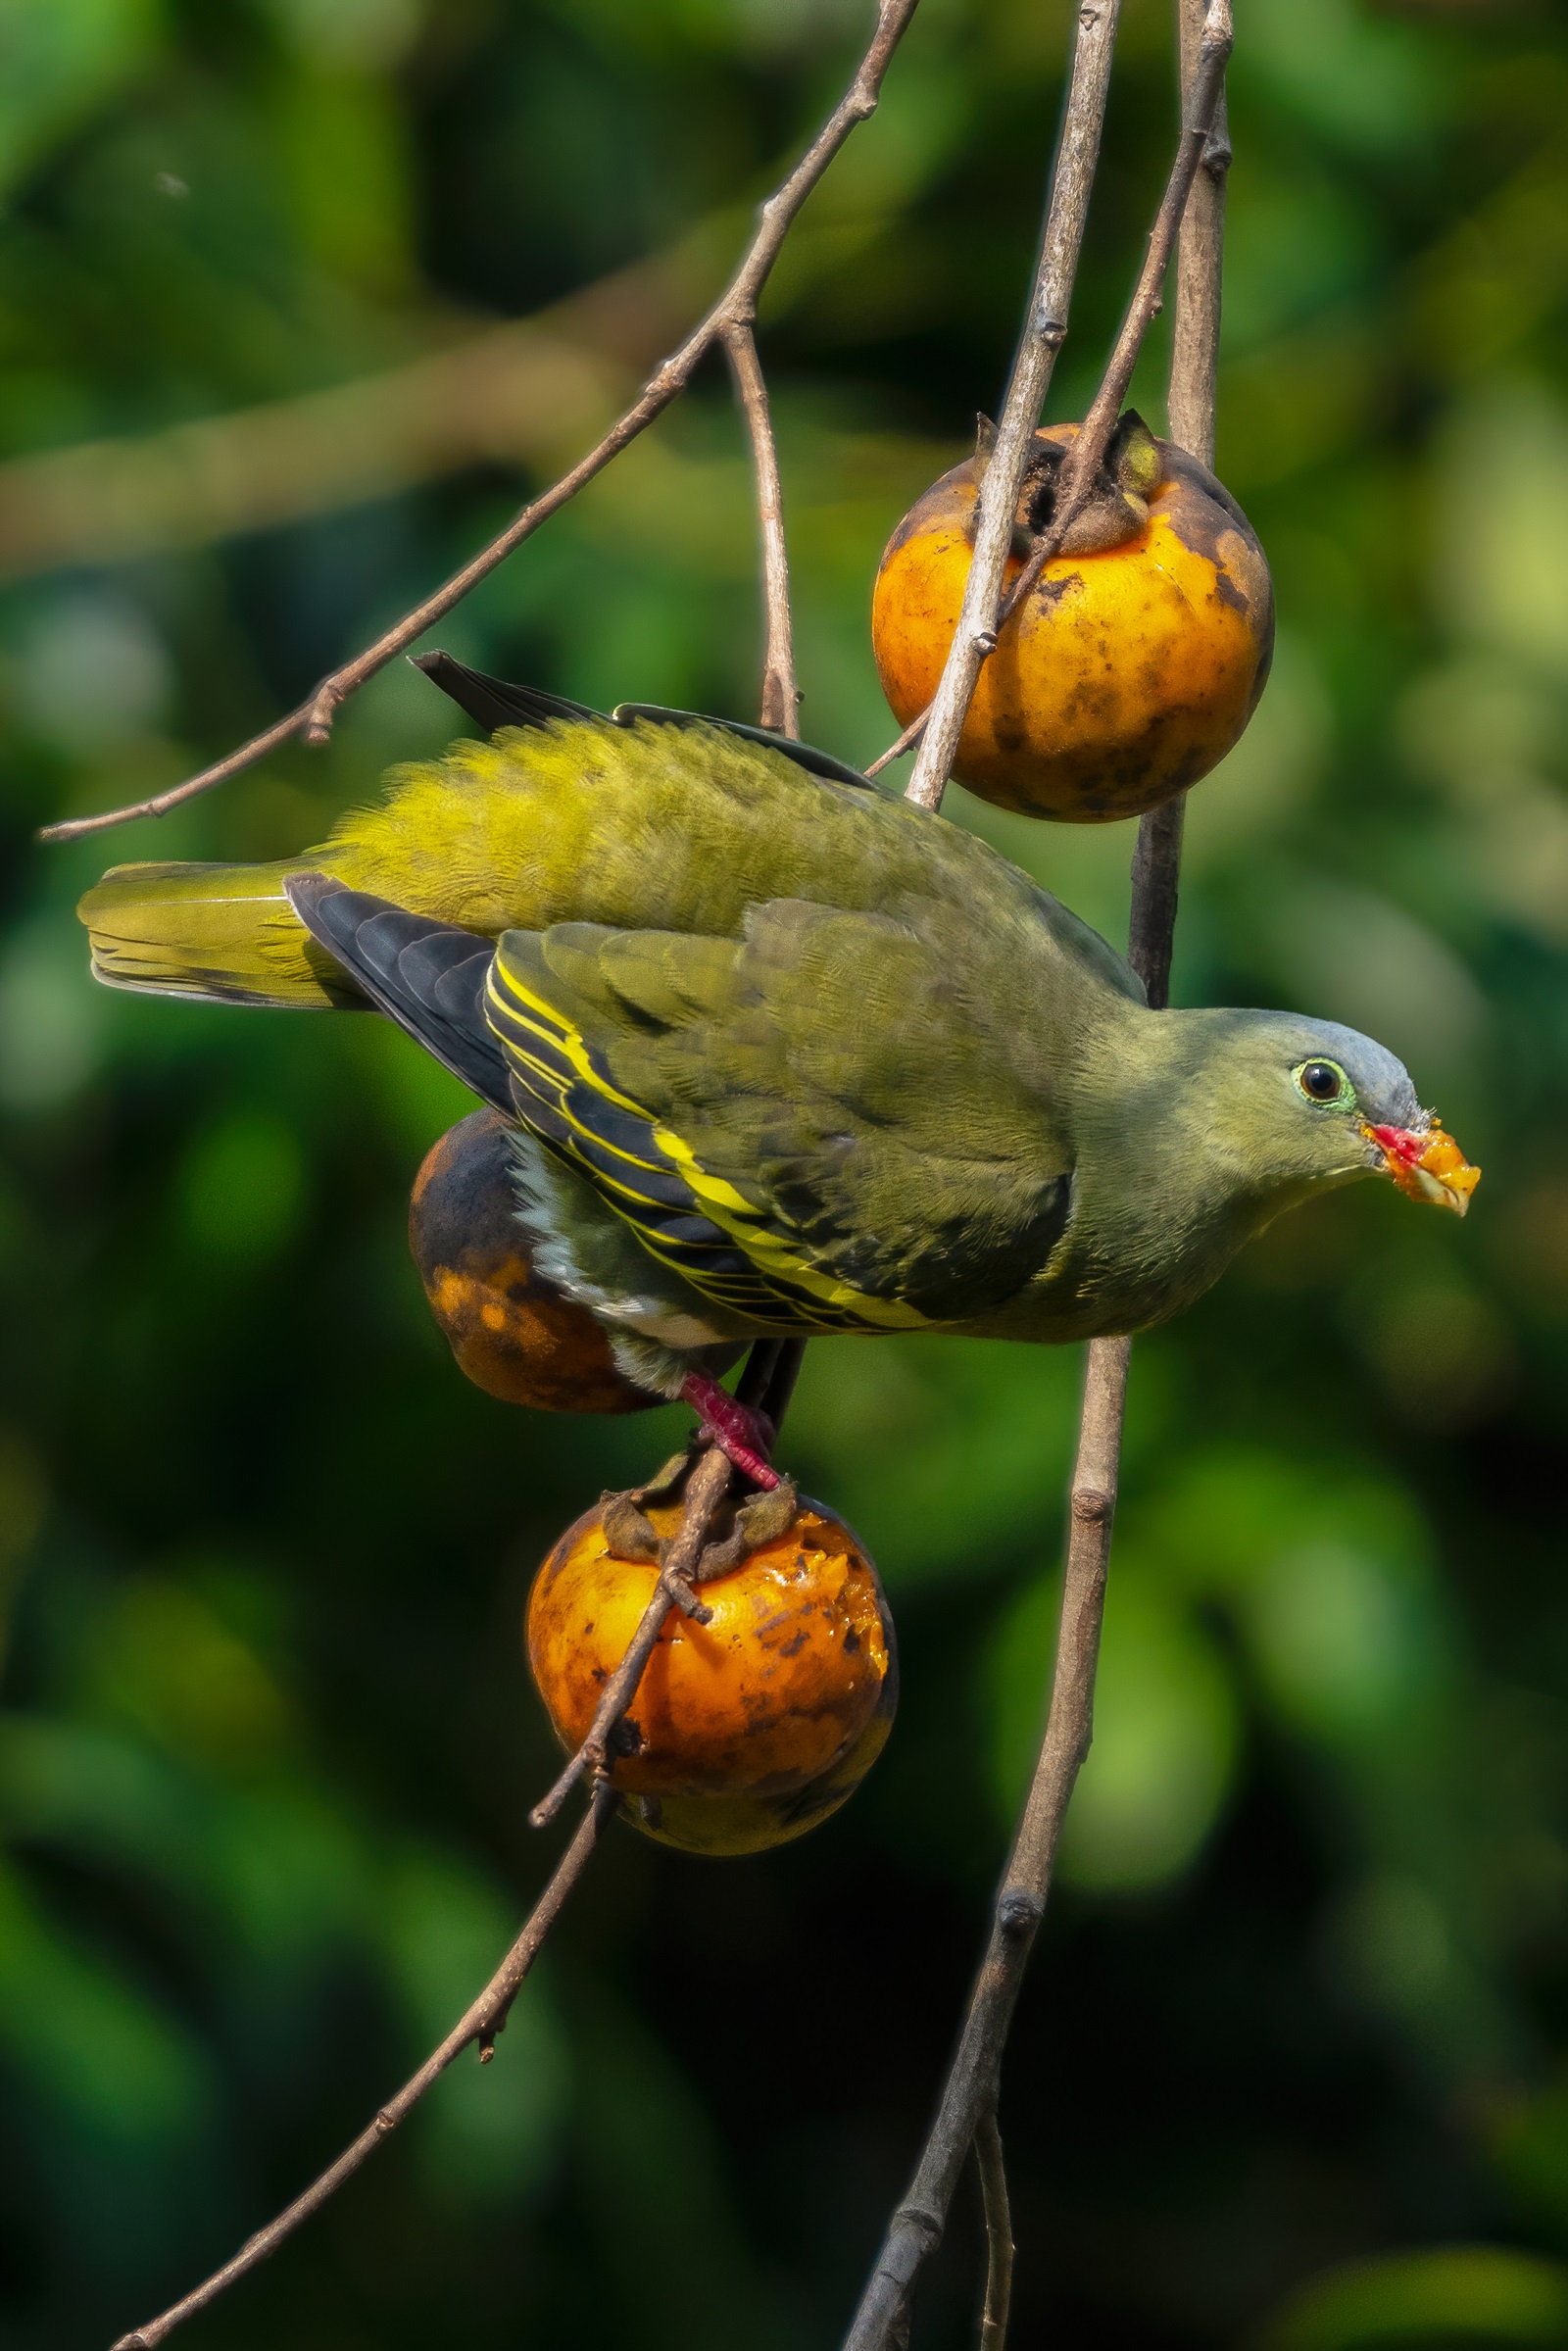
point(784, 1054)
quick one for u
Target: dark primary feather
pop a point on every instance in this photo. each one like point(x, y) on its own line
point(427, 976)
point(816, 762)
point(494, 701)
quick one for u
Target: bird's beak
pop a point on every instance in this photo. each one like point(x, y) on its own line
point(1428, 1165)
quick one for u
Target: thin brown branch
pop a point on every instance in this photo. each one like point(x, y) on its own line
point(1191, 398)
point(904, 741)
point(480, 2023)
point(970, 2091)
point(770, 1373)
point(975, 637)
point(1152, 917)
point(779, 707)
point(706, 1489)
point(1045, 327)
point(1195, 336)
point(999, 2234)
point(969, 2094)
point(767, 1379)
point(1087, 454)
point(736, 305)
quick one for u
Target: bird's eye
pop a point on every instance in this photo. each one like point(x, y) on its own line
point(1322, 1081)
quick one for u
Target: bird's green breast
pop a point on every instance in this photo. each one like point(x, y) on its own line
point(1171, 1177)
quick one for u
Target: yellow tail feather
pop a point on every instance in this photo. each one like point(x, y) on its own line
point(225, 934)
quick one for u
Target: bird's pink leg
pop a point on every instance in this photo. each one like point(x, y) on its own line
point(746, 1437)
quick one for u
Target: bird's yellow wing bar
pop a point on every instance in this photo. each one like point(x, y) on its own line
point(728, 1247)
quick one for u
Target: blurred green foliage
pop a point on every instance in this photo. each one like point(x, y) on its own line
point(1294, 2064)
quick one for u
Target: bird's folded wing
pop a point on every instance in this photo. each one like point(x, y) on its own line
point(817, 1124)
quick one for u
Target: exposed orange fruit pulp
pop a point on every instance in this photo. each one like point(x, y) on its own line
point(1439, 1172)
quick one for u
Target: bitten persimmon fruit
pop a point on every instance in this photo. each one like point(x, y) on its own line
point(513, 1334)
point(1133, 663)
point(746, 1731)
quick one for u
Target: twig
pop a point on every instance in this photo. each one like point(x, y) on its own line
point(983, 615)
point(1071, 181)
point(1195, 336)
point(780, 699)
point(736, 305)
point(773, 1366)
point(1086, 453)
point(703, 1494)
point(970, 2092)
point(909, 739)
point(999, 2234)
point(770, 1376)
point(480, 2023)
point(1194, 366)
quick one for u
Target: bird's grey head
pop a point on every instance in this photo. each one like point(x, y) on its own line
point(1385, 1094)
point(1300, 1105)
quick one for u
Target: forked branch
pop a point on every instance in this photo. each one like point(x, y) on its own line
point(1045, 329)
point(974, 2077)
point(1087, 454)
point(735, 309)
point(985, 610)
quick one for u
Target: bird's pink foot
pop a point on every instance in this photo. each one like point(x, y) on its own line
point(746, 1436)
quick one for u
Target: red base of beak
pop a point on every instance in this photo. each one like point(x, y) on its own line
point(1401, 1143)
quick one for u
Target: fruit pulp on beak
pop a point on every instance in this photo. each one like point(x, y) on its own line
point(1429, 1166)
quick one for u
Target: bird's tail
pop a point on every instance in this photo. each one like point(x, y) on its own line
point(223, 933)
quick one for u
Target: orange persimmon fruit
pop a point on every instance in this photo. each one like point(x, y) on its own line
point(1134, 661)
point(746, 1731)
point(512, 1332)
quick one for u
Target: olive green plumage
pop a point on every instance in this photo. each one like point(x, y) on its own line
point(785, 1052)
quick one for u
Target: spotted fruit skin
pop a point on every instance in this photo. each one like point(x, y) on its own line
point(722, 1826)
point(1126, 674)
point(746, 1731)
point(512, 1333)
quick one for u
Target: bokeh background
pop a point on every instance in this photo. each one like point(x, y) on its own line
point(297, 297)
